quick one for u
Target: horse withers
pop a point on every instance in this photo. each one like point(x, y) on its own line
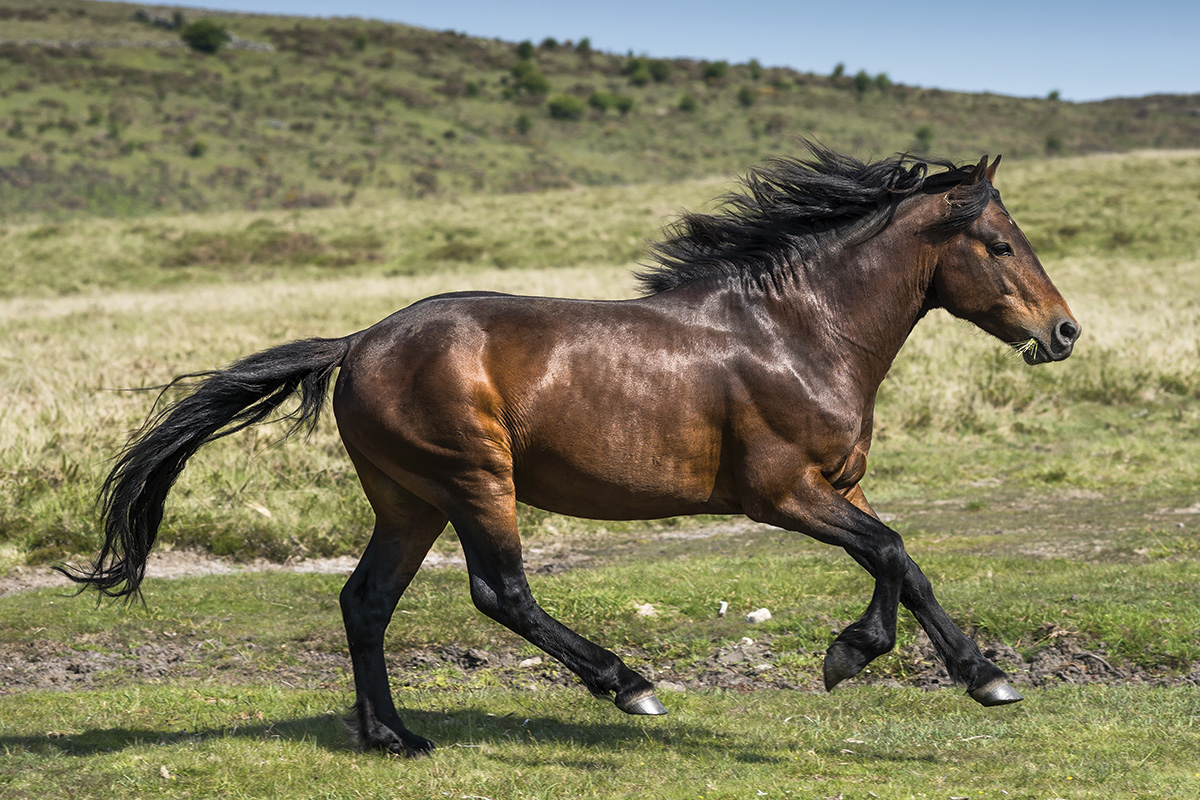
point(743, 381)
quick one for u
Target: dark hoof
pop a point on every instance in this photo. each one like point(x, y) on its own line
point(646, 704)
point(840, 663)
point(411, 746)
point(996, 693)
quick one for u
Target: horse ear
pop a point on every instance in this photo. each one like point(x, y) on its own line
point(991, 171)
point(978, 173)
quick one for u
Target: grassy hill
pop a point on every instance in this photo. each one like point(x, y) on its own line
point(104, 110)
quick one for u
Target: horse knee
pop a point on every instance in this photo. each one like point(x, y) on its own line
point(362, 615)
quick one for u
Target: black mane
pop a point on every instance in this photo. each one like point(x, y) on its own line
point(791, 209)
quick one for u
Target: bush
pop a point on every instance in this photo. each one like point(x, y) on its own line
point(525, 50)
point(716, 70)
point(638, 71)
point(924, 136)
point(567, 107)
point(529, 80)
point(747, 97)
point(687, 103)
point(204, 35)
point(862, 82)
point(602, 101)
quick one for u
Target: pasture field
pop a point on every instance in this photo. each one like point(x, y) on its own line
point(1055, 510)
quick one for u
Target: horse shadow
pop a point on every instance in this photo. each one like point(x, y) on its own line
point(597, 743)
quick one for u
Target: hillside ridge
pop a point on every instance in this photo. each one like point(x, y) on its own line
point(105, 111)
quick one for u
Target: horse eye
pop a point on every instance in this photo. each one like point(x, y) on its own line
point(1001, 249)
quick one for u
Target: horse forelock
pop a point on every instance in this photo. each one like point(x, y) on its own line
point(791, 210)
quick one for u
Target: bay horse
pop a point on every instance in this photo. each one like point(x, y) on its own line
point(743, 381)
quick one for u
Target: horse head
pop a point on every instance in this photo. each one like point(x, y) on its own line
point(986, 272)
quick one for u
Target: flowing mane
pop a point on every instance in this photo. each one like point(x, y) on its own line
point(790, 210)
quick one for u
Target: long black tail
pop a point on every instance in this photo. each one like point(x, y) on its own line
point(221, 402)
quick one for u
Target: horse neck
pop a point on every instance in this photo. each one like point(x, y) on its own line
point(861, 300)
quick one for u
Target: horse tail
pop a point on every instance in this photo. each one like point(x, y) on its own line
point(221, 402)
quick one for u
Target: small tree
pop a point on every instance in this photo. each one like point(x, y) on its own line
point(747, 96)
point(204, 35)
point(525, 50)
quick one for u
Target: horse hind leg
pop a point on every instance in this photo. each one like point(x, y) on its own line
point(499, 589)
point(405, 528)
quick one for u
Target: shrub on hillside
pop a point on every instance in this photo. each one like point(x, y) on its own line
point(528, 80)
point(638, 70)
point(716, 70)
point(568, 107)
point(602, 101)
point(204, 35)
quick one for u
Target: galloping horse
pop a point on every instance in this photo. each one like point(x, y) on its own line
point(742, 382)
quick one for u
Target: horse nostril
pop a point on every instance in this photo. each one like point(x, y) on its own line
point(1067, 332)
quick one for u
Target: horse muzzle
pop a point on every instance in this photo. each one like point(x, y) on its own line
point(1053, 347)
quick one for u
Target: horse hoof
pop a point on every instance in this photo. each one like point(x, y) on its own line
point(996, 693)
point(646, 704)
point(838, 666)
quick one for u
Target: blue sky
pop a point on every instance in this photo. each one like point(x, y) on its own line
point(1086, 50)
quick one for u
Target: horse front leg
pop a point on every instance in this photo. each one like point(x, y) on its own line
point(815, 508)
point(986, 683)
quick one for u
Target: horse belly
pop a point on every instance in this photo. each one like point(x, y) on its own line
point(613, 476)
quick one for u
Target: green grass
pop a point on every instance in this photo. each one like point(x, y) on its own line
point(205, 741)
point(251, 709)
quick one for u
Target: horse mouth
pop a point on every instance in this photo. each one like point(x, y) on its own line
point(1034, 351)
